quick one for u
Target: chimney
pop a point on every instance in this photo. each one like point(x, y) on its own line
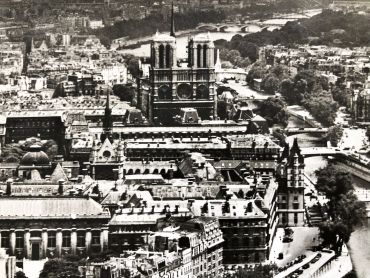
point(9, 184)
point(61, 187)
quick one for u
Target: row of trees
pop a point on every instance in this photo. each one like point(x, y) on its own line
point(274, 111)
point(344, 211)
point(244, 48)
point(315, 93)
point(233, 58)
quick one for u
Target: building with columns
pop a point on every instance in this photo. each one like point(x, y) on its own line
point(35, 228)
point(173, 85)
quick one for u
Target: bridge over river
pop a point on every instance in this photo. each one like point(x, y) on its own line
point(322, 151)
point(313, 130)
point(252, 26)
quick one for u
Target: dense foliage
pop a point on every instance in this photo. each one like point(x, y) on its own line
point(345, 212)
point(234, 58)
point(14, 152)
point(329, 28)
point(272, 78)
point(313, 93)
point(274, 111)
point(334, 134)
point(61, 268)
point(20, 274)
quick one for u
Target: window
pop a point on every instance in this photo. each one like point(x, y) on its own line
point(19, 240)
point(204, 56)
point(66, 239)
point(95, 238)
point(4, 239)
point(296, 198)
point(296, 206)
point(295, 218)
point(80, 239)
point(168, 56)
point(282, 206)
point(51, 239)
point(161, 56)
point(35, 234)
point(199, 50)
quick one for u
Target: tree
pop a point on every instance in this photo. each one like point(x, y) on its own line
point(51, 148)
point(61, 268)
point(289, 93)
point(270, 84)
point(105, 40)
point(132, 63)
point(334, 134)
point(2, 79)
point(274, 111)
point(234, 58)
point(321, 105)
point(368, 132)
point(345, 212)
point(333, 182)
point(20, 274)
point(124, 92)
point(340, 95)
point(257, 71)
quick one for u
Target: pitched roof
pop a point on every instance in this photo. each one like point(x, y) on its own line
point(50, 207)
point(58, 174)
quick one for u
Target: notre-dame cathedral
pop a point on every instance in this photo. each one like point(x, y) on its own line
point(173, 85)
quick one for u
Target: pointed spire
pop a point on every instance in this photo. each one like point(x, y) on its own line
point(107, 121)
point(172, 33)
point(295, 148)
point(218, 60)
point(107, 104)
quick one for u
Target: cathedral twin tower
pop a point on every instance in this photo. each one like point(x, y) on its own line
point(175, 83)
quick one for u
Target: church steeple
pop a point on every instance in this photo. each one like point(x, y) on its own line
point(107, 113)
point(107, 121)
point(172, 32)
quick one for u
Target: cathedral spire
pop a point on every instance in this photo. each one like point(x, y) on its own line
point(172, 33)
point(107, 121)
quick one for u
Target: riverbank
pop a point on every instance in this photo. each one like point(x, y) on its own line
point(140, 46)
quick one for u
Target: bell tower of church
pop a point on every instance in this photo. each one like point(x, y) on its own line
point(172, 87)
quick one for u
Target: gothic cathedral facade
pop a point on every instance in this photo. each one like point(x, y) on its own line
point(173, 84)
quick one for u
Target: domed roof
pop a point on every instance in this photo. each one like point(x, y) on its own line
point(35, 156)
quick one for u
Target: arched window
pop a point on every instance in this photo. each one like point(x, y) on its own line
point(199, 51)
point(204, 56)
point(184, 91)
point(153, 56)
point(106, 154)
point(168, 56)
point(164, 92)
point(161, 56)
point(202, 92)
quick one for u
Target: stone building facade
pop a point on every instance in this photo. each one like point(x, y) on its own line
point(173, 86)
point(46, 227)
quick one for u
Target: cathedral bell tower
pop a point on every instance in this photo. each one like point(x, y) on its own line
point(173, 87)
